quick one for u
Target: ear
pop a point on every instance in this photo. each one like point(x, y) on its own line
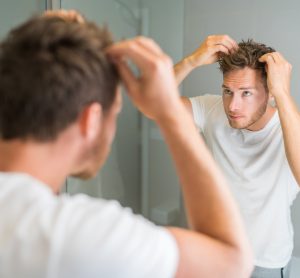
point(91, 121)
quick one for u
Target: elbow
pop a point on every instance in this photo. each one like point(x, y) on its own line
point(241, 262)
point(247, 266)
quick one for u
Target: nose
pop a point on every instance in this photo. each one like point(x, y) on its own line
point(235, 103)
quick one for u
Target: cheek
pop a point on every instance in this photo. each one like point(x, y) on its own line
point(225, 103)
point(112, 133)
point(111, 130)
point(255, 102)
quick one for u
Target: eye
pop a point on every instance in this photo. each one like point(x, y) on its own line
point(227, 92)
point(247, 93)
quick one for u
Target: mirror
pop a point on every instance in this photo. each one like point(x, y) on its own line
point(179, 27)
point(13, 12)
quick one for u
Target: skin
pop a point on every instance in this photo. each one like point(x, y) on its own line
point(245, 100)
point(207, 53)
point(71, 15)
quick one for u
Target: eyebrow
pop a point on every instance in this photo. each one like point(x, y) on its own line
point(242, 88)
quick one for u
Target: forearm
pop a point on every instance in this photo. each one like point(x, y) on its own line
point(182, 69)
point(290, 122)
point(209, 205)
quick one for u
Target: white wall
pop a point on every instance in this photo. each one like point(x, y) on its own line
point(273, 22)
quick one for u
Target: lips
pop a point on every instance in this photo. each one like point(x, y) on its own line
point(235, 117)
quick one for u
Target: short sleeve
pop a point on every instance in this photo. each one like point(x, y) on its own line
point(102, 239)
point(201, 107)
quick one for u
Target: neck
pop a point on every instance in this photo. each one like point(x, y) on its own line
point(43, 161)
point(263, 121)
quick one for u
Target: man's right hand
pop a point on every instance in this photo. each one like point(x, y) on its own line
point(154, 92)
point(208, 53)
point(68, 15)
point(210, 49)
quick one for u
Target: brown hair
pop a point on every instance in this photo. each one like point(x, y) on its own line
point(246, 55)
point(50, 69)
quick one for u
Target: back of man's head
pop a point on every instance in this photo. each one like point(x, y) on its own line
point(50, 69)
point(246, 55)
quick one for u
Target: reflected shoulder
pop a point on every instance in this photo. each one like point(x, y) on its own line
point(188, 105)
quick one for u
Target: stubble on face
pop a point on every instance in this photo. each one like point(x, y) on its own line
point(255, 117)
point(95, 155)
point(251, 112)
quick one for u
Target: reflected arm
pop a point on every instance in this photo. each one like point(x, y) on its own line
point(187, 104)
point(279, 74)
point(182, 69)
point(290, 122)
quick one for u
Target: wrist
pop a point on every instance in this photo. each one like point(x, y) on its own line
point(192, 62)
point(280, 94)
point(283, 101)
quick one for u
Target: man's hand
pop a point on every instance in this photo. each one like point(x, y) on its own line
point(68, 15)
point(278, 74)
point(154, 91)
point(209, 51)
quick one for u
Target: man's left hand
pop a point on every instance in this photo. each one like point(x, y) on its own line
point(278, 73)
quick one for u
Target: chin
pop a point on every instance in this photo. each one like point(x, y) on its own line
point(237, 125)
point(92, 163)
point(85, 174)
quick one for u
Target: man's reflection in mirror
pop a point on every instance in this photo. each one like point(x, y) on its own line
point(249, 131)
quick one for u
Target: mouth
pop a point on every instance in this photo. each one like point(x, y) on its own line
point(235, 117)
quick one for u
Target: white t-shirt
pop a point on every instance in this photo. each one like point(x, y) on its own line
point(258, 174)
point(43, 235)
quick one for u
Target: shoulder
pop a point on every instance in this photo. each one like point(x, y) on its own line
point(124, 241)
point(206, 100)
point(92, 234)
point(204, 105)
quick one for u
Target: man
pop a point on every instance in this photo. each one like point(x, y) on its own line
point(253, 141)
point(59, 101)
